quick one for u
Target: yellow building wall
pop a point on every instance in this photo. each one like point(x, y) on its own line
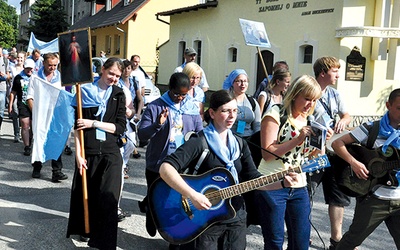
point(289, 24)
point(143, 34)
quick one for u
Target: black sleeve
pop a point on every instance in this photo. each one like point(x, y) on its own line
point(249, 170)
point(186, 155)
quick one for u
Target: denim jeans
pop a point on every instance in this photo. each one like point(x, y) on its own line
point(284, 205)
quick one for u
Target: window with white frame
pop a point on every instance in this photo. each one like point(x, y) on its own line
point(197, 47)
point(232, 54)
point(307, 53)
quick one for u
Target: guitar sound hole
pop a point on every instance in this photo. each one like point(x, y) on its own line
point(214, 199)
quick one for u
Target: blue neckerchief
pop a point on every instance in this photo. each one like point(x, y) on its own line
point(232, 76)
point(56, 76)
point(24, 76)
point(387, 131)
point(187, 105)
point(121, 84)
point(91, 98)
point(228, 154)
point(183, 65)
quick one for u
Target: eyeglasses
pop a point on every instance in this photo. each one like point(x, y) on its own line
point(230, 111)
point(240, 81)
point(178, 94)
point(195, 78)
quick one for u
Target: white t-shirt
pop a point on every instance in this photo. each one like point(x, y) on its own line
point(139, 77)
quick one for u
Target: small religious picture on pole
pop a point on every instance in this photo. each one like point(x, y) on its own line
point(254, 33)
point(75, 57)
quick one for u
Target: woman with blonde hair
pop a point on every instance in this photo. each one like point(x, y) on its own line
point(290, 205)
point(194, 72)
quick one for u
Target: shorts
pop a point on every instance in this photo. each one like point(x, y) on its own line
point(332, 193)
point(24, 111)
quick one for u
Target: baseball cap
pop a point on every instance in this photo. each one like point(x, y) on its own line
point(190, 51)
point(5, 52)
point(29, 63)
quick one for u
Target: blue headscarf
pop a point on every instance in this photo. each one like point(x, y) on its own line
point(56, 75)
point(91, 98)
point(232, 76)
point(187, 105)
point(228, 154)
point(387, 131)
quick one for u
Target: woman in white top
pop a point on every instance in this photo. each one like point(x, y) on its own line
point(290, 205)
point(275, 91)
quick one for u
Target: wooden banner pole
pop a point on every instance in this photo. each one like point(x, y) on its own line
point(263, 64)
point(84, 181)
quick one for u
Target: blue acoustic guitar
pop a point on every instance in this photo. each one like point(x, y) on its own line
point(179, 222)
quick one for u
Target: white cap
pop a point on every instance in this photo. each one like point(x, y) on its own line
point(29, 63)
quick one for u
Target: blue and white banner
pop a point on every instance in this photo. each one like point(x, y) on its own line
point(52, 120)
point(44, 47)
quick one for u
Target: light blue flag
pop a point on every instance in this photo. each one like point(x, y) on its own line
point(52, 120)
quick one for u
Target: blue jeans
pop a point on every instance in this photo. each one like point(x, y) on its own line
point(2, 103)
point(284, 205)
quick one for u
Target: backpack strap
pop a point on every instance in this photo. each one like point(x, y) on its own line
point(252, 102)
point(373, 134)
point(203, 155)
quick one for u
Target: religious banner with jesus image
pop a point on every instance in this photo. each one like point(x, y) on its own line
point(75, 57)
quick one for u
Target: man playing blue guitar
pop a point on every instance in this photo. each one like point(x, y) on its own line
point(382, 203)
point(227, 151)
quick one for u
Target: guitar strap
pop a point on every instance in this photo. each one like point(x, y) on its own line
point(373, 134)
point(206, 150)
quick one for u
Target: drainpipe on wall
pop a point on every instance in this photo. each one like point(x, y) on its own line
point(121, 30)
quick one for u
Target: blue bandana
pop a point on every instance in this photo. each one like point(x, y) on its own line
point(228, 154)
point(387, 131)
point(24, 76)
point(91, 98)
point(187, 105)
point(232, 76)
point(56, 76)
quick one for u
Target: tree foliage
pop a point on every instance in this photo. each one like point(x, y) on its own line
point(8, 25)
point(48, 19)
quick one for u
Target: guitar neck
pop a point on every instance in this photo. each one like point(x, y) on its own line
point(248, 186)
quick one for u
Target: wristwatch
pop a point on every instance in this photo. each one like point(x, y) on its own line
point(95, 124)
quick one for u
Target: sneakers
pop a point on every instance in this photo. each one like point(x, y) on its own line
point(67, 150)
point(121, 215)
point(57, 177)
point(83, 238)
point(17, 139)
point(27, 151)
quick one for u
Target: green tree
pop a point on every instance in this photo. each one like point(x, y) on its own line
point(8, 25)
point(48, 19)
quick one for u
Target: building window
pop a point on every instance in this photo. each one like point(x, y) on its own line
point(181, 52)
point(117, 44)
point(307, 51)
point(232, 54)
point(197, 47)
point(108, 45)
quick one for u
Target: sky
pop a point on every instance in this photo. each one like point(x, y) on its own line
point(16, 4)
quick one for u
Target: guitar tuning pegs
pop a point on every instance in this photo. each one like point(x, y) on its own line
point(317, 171)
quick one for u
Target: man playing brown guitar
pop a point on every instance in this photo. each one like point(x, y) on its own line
point(382, 203)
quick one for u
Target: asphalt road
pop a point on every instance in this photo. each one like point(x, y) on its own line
point(34, 212)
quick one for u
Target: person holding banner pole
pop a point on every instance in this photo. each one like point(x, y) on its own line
point(103, 120)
